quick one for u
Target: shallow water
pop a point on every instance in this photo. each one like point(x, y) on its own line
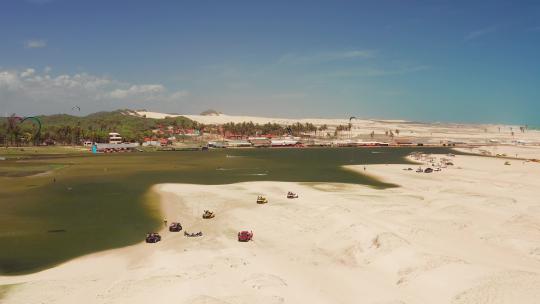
point(95, 202)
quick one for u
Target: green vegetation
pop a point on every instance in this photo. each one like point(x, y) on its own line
point(83, 203)
point(251, 129)
point(69, 129)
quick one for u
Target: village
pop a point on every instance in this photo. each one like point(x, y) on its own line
point(220, 131)
point(172, 139)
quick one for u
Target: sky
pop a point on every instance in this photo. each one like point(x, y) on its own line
point(448, 61)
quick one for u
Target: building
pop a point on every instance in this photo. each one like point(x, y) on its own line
point(115, 138)
point(151, 143)
point(109, 148)
point(164, 142)
point(217, 144)
point(260, 142)
point(238, 143)
point(285, 142)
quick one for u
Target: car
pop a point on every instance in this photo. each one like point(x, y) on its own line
point(261, 200)
point(175, 227)
point(245, 236)
point(153, 237)
point(208, 214)
point(292, 195)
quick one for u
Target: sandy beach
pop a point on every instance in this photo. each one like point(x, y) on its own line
point(467, 234)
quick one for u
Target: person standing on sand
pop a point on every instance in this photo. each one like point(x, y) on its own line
point(364, 168)
point(165, 222)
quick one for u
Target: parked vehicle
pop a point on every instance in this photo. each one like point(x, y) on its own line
point(175, 227)
point(153, 237)
point(245, 236)
point(261, 200)
point(208, 214)
point(292, 195)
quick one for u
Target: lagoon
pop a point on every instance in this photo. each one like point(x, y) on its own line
point(58, 207)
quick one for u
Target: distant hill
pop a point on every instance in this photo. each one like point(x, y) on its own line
point(64, 128)
point(210, 112)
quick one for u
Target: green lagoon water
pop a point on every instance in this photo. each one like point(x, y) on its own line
point(89, 203)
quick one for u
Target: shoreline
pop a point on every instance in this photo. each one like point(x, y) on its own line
point(399, 243)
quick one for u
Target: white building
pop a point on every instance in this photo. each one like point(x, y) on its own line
point(285, 142)
point(238, 143)
point(114, 138)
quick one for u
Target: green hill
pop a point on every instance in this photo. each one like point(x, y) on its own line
point(69, 129)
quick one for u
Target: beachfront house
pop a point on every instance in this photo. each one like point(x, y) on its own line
point(217, 144)
point(284, 142)
point(260, 142)
point(238, 143)
point(115, 138)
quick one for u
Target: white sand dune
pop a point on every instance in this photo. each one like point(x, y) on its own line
point(432, 132)
point(511, 151)
point(468, 234)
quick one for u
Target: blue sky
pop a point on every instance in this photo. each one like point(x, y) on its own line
point(418, 60)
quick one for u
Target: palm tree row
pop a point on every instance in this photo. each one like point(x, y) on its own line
point(252, 129)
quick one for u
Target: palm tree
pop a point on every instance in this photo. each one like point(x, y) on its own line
point(323, 128)
point(13, 129)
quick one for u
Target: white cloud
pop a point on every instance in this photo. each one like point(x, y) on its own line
point(146, 91)
point(35, 44)
point(8, 80)
point(46, 93)
point(479, 33)
point(28, 73)
point(179, 95)
point(376, 72)
point(326, 57)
